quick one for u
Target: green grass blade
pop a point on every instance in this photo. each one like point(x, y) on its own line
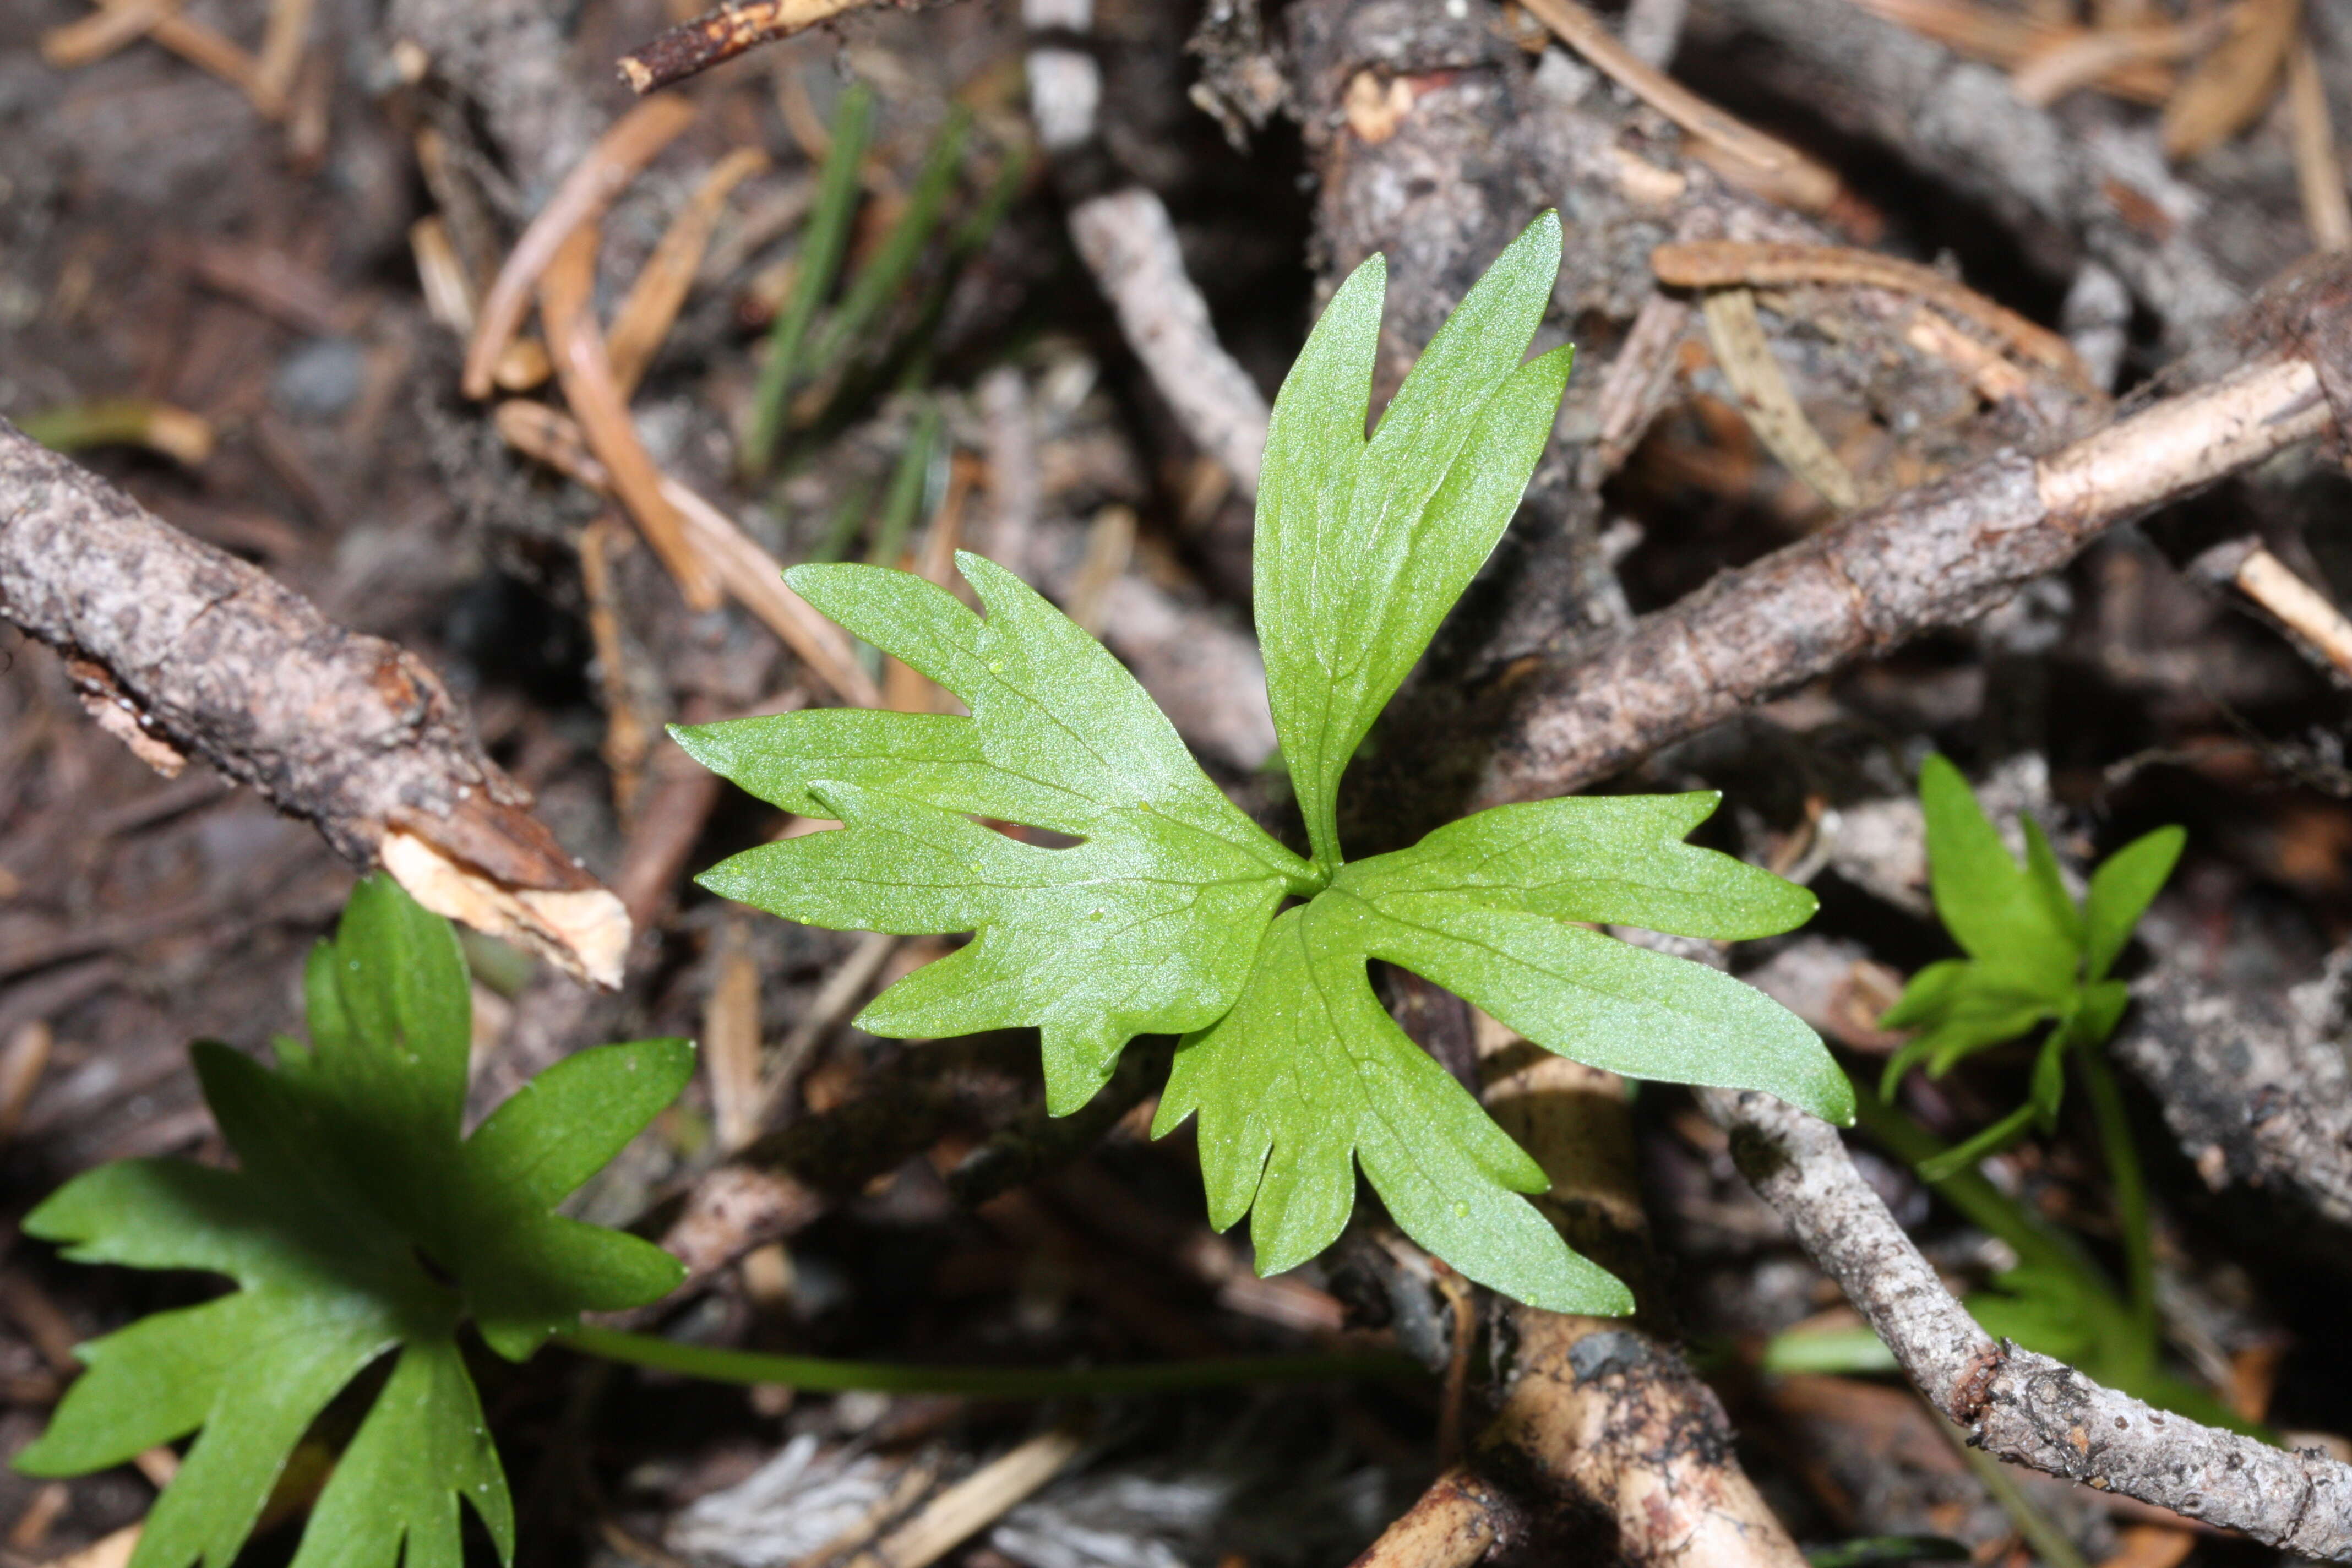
point(879, 280)
point(821, 247)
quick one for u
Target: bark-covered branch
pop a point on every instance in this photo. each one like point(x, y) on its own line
point(180, 648)
point(1933, 557)
point(2016, 1404)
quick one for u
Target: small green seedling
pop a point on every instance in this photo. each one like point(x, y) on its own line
point(2033, 956)
point(1168, 915)
point(358, 1226)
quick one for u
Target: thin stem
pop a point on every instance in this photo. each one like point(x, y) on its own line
point(2130, 1185)
point(1984, 1204)
point(720, 1366)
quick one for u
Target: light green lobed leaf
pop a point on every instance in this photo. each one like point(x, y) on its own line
point(351, 1170)
point(1148, 925)
point(1308, 1075)
point(1362, 547)
point(1309, 1069)
point(1163, 917)
point(2123, 886)
point(2003, 917)
point(2033, 953)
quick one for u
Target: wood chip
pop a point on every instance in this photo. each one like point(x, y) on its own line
point(21, 1062)
point(108, 1552)
point(730, 1039)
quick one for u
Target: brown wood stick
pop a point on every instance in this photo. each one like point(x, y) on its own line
point(283, 43)
point(2233, 83)
point(645, 316)
point(1940, 555)
point(118, 23)
point(2318, 165)
point(1731, 264)
point(2009, 40)
point(577, 349)
point(209, 655)
point(2014, 1404)
point(716, 36)
point(115, 23)
point(583, 196)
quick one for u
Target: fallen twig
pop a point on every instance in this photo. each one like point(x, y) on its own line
point(1595, 1416)
point(716, 36)
point(2270, 583)
point(2318, 169)
point(1744, 356)
point(1938, 556)
point(119, 22)
point(2018, 39)
point(1786, 174)
point(977, 1501)
point(2016, 1404)
point(196, 651)
point(2234, 82)
point(566, 308)
point(1129, 246)
point(1726, 264)
point(645, 317)
point(1875, 68)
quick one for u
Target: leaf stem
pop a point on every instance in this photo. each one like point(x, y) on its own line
point(2129, 1182)
point(721, 1365)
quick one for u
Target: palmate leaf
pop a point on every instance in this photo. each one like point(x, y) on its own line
point(359, 1224)
point(1148, 925)
point(1309, 1069)
point(1163, 917)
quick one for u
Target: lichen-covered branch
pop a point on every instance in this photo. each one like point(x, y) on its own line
point(2016, 1404)
point(180, 648)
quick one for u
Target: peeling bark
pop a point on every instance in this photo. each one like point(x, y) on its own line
point(197, 652)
